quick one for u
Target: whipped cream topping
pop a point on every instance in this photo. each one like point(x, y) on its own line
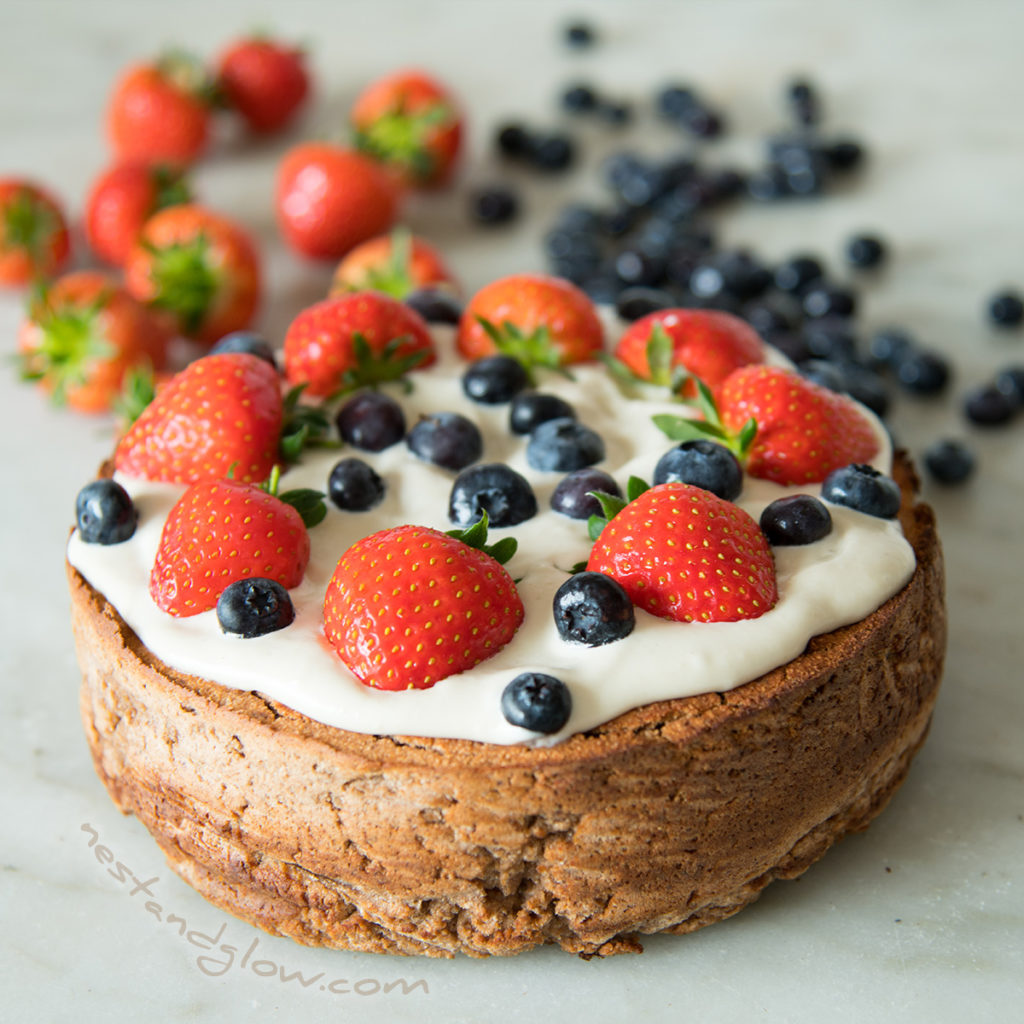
point(831, 583)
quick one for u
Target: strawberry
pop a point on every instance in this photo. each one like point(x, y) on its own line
point(410, 123)
point(122, 199)
point(683, 553)
point(220, 531)
point(83, 334)
point(408, 606)
point(199, 266)
point(160, 111)
point(362, 338)
point(34, 239)
point(220, 412)
point(264, 81)
point(804, 431)
point(538, 319)
point(395, 264)
point(329, 199)
point(705, 343)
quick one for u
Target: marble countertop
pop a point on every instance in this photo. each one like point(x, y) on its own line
point(921, 918)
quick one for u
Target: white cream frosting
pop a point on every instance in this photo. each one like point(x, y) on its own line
point(822, 586)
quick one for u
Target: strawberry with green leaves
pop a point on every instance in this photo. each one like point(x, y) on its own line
point(542, 321)
point(354, 340)
point(264, 81)
point(34, 240)
point(682, 553)
point(408, 606)
point(396, 264)
point(201, 267)
point(411, 124)
point(221, 531)
point(83, 335)
point(221, 415)
point(701, 343)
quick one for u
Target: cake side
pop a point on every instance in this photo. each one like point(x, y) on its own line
point(669, 817)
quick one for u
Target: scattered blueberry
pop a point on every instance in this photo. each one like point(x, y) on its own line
point(1010, 380)
point(795, 274)
point(988, 406)
point(923, 372)
point(831, 337)
point(246, 341)
point(355, 486)
point(513, 139)
point(796, 519)
point(804, 101)
point(593, 609)
point(105, 513)
point(530, 409)
point(950, 461)
point(435, 305)
point(538, 702)
point(579, 98)
point(633, 303)
point(890, 346)
point(579, 34)
point(844, 154)
point(822, 299)
point(704, 464)
point(1006, 309)
point(494, 380)
point(552, 151)
point(253, 607)
point(865, 251)
point(563, 444)
point(572, 496)
point(615, 112)
point(494, 205)
point(371, 421)
point(446, 439)
point(863, 488)
point(494, 488)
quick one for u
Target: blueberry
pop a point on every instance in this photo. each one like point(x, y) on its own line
point(844, 154)
point(923, 372)
point(1010, 380)
point(572, 495)
point(355, 486)
point(949, 461)
point(563, 444)
point(1006, 309)
point(254, 607)
point(889, 346)
point(446, 439)
point(865, 386)
point(592, 609)
point(863, 488)
point(864, 251)
point(494, 380)
point(674, 100)
point(768, 184)
point(636, 302)
point(538, 702)
point(831, 337)
point(796, 519)
point(513, 139)
point(822, 299)
point(494, 205)
point(987, 406)
point(579, 98)
point(795, 274)
point(435, 305)
point(371, 421)
point(824, 373)
point(804, 101)
point(791, 344)
point(105, 513)
point(579, 34)
point(635, 267)
point(246, 341)
point(552, 151)
point(530, 409)
point(704, 464)
point(615, 112)
point(494, 488)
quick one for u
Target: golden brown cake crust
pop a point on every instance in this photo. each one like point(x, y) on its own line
point(669, 817)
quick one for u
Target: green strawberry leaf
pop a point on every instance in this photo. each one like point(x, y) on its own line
point(711, 427)
point(372, 370)
point(308, 503)
point(476, 537)
point(659, 356)
point(304, 426)
point(535, 350)
point(613, 504)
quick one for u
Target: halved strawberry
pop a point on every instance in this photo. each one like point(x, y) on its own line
point(409, 606)
point(362, 338)
point(683, 553)
point(222, 413)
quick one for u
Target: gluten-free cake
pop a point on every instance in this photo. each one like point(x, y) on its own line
point(700, 761)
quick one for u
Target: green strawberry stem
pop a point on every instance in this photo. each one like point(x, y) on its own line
point(711, 427)
point(534, 349)
point(402, 138)
point(372, 370)
point(28, 224)
point(138, 389)
point(476, 537)
point(612, 505)
point(395, 277)
point(185, 281)
point(172, 187)
point(307, 502)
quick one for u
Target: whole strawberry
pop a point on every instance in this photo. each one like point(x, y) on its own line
point(264, 81)
point(122, 199)
point(703, 343)
point(680, 552)
point(34, 241)
point(222, 414)
point(159, 112)
point(539, 319)
point(361, 338)
point(409, 606)
point(221, 531)
point(396, 264)
point(83, 334)
point(200, 267)
point(329, 199)
point(411, 124)
point(804, 431)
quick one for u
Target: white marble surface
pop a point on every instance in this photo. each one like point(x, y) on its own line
point(919, 919)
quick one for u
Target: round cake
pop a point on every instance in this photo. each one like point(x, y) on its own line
point(700, 762)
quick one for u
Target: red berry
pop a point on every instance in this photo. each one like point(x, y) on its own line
point(34, 240)
point(395, 264)
point(264, 81)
